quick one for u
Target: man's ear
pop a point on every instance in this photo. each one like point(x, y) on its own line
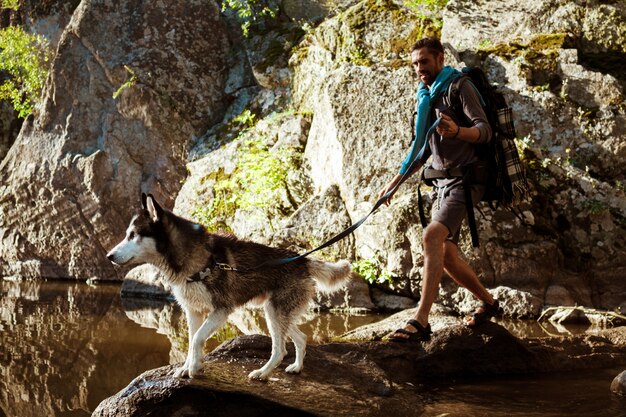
point(441, 58)
point(154, 210)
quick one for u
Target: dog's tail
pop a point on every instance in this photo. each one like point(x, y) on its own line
point(330, 276)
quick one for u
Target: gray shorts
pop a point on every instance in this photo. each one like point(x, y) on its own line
point(449, 207)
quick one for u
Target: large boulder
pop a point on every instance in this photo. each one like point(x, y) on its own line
point(569, 106)
point(339, 374)
point(72, 179)
point(570, 117)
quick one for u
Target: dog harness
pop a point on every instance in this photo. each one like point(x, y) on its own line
point(208, 270)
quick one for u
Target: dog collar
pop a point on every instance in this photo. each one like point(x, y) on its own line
point(207, 271)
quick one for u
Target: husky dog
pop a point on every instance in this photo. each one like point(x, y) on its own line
point(211, 275)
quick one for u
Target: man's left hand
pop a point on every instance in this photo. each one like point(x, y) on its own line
point(447, 127)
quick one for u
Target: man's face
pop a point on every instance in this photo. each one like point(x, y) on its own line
point(426, 65)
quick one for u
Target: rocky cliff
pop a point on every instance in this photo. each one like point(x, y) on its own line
point(331, 100)
point(73, 175)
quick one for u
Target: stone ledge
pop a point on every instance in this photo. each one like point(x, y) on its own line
point(364, 378)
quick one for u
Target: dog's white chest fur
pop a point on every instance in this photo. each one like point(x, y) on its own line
point(193, 296)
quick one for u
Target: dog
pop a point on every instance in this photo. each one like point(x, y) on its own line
point(213, 274)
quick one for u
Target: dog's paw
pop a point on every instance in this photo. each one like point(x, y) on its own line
point(181, 372)
point(294, 368)
point(195, 369)
point(258, 375)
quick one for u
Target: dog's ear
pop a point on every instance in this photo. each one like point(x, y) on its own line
point(154, 210)
point(144, 204)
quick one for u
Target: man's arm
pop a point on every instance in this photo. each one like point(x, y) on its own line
point(480, 131)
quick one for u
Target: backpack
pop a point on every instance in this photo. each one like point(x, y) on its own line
point(506, 184)
point(499, 166)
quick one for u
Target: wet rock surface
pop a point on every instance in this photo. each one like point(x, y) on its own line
point(349, 378)
point(618, 386)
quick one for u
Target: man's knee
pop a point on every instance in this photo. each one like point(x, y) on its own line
point(435, 234)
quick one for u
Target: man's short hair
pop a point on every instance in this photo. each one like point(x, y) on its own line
point(433, 45)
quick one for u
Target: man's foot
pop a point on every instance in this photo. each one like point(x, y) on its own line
point(483, 314)
point(412, 332)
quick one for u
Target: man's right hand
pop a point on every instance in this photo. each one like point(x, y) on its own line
point(389, 187)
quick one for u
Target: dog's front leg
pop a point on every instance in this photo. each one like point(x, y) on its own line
point(214, 321)
point(194, 320)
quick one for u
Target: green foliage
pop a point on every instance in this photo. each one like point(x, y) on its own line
point(214, 213)
point(594, 207)
point(433, 7)
point(250, 12)
point(261, 174)
point(24, 58)
point(128, 84)
point(246, 119)
point(358, 56)
point(10, 4)
point(226, 332)
point(256, 183)
point(372, 271)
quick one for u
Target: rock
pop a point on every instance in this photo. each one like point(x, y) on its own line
point(439, 318)
point(390, 302)
point(74, 175)
point(514, 303)
point(618, 386)
point(556, 295)
point(312, 11)
point(282, 134)
point(355, 298)
point(581, 315)
point(345, 94)
point(225, 388)
point(340, 373)
point(145, 281)
point(9, 128)
point(328, 212)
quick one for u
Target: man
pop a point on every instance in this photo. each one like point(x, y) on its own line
point(452, 144)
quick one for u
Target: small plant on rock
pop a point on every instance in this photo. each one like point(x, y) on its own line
point(372, 271)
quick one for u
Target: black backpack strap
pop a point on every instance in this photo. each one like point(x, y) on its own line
point(469, 205)
point(454, 90)
point(420, 205)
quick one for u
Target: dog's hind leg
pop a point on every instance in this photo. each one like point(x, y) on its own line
point(194, 320)
point(277, 327)
point(299, 341)
point(214, 321)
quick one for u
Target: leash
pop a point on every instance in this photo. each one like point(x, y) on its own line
point(346, 232)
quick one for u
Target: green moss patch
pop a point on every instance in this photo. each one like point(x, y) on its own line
point(258, 184)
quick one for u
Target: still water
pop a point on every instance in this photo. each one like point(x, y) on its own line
point(66, 346)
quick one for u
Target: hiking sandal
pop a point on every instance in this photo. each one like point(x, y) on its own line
point(421, 334)
point(484, 313)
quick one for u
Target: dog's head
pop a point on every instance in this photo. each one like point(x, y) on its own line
point(141, 240)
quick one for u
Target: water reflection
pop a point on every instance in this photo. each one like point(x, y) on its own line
point(67, 346)
point(169, 320)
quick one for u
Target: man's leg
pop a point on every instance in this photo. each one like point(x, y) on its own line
point(433, 240)
point(464, 275)
point(434, 237)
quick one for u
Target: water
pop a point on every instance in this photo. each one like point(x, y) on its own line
point(67, 346)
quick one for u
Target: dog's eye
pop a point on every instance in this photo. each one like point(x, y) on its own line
point(131, 235)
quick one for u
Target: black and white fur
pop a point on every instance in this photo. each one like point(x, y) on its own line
point(181, 248)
